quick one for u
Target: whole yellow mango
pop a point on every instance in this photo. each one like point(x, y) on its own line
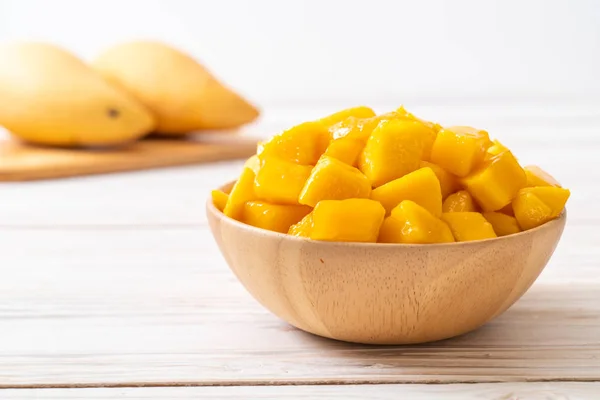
point(182, 94)
point(50, 97)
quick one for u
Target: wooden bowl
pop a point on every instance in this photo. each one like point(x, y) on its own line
point(384, 293)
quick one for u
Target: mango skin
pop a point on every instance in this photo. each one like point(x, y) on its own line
point(50, 97)
point(182, 94)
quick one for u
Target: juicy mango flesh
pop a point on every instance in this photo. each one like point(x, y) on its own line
point(355, 176)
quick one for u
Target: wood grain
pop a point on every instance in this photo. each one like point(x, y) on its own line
point(128, 306)
point(483, 391)
point(19, 162)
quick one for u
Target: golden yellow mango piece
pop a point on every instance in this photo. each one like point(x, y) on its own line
point(273, 217)
point(503, 224)
point(554, 197)
point(242, 191)
point(302, 228)
point(467, 226)
point(495, 149)
point(345, 149)
point(461, 201)
point(430, 134)
point(331, 179)
point(280, 181)
point(411, 223)
point(358, 128)
point(459, 149)
point(538, 177)
point(254, 163)
point(530, 211)
point(421, 186)
point(219, 199)
point(351, 220)
point(496, 182)
point(302, 144)
point(356, 112)
point(448, 182)
point(393, 150)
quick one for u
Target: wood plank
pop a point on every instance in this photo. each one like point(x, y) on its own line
point(482, 391)
point(124, 306)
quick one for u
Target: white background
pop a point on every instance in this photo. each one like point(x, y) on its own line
point(288, 52)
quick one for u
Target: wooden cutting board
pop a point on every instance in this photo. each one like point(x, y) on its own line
point(20, 162)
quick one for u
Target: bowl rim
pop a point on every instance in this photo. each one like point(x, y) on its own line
point(210, 207)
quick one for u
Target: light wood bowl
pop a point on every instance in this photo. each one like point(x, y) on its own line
point(384, 293)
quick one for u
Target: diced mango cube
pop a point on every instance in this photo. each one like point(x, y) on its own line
point(302, 144)
point(219, 199)
point(430, 134)
point(331, 179)
point(411, 223)
point(495, 149)
point(273, 217)
point(280, 181)
point(358, 128)
point(302, 228)
point(461, 201)
point(345, 149)
point(254, 163)
point(554, 197)
point(356, 112)
point(393, 150)
point(496, 182)
point(421, 186)
point(503, 224)
point(459, 149)
point(538, 177)
point(242, 191)
point(531, 211)
point(448, 182)
point(351, 220)
point(467, 226)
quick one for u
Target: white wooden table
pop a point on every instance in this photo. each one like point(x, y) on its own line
point(113, 287)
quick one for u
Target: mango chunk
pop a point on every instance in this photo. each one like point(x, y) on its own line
point(430, 134)
point(302, 228)
point(345, 149)
point(503, 224)
point(411, 223)
point(393, 150)
point(554, 197)
point(242, 191)
point(351, 220)
point(448, 182)
point(530, 211)
point(459, 149)
point(273, 217)
point(355, 112)
point(538, 177)
point(219, 199)
point(467, 226)
point(331, 179)
point(254, 163)
point(280, 181)
point(302, 144)
point(461, 201)
point(421, 186)
point(495, 149)
point(496, 182)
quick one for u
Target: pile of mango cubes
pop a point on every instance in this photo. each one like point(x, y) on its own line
point(392, 178)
